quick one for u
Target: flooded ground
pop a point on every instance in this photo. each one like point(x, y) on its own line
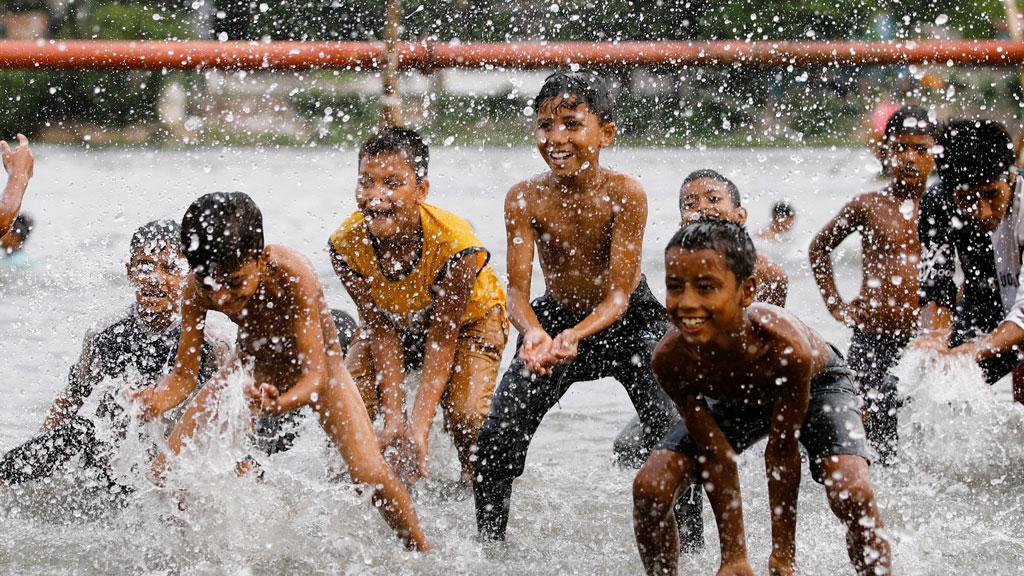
point(952, 507)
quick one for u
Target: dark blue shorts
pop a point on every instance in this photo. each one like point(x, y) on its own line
point(832, 427)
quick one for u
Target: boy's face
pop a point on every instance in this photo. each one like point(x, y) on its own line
point(157, 276)
point(228, 291)
point(389, 195)
point(910, 158)
point(985, 204)
point(569, 136)
point(704, 300)
point(709, 199)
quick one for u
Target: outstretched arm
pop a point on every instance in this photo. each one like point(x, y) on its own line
point(520, 237)
point(451, 297)
point(721, 480)
point(782, 464)
point(184, 377)
point(838, 229)
point(83, 376)
point(19, 165)
point(624, 271)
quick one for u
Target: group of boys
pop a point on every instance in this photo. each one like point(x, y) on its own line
point(720, 366)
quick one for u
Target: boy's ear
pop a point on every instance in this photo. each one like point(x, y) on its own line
point(422, 189)
point(748, 290)
point(741, 215)
point(608, 131)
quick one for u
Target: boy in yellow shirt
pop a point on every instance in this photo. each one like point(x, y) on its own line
point(426, 298)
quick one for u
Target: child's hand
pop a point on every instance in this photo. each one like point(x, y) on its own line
point(737, 568)
point(566, 345)
point(406, 456)
point(931, 344)
point(17, 162)
point(853, 314)
point(263, 400)
point(146, 397)
point(536, 351)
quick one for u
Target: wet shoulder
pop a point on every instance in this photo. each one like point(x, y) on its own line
point(288, 264)
point(785, 334)
point(668, 359)
point(526, 193)
point(625, 188)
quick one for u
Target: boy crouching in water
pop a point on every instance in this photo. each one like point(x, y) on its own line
point(426, 298)
point(740, 371)
point(284, 326)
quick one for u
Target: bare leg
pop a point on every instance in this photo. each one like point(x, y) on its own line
point(655, 489)
point(344, 419)
point(852, 498)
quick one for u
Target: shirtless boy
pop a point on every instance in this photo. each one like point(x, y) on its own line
point(285, 328)
point(884, 315)
point(426, 298)
point(18, 164)
point(740, 372)
point(598, 317)
point(707, 195)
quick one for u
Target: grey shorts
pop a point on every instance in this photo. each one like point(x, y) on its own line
point(832, 427)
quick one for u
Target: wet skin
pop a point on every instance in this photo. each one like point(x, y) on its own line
point(887, 223)
point(284, 326)
point(724, 346)
point(587, 225)
point(19, 166)
point(709, 199)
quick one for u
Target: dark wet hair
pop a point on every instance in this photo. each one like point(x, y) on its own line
point(221, 231)
point(973, 152)
point(399, 139)
point(782, 210)
point(23, 226)
point(728, 239)
point(909, 120)
point(734, 192)
point(155, 236)
point(575, 88)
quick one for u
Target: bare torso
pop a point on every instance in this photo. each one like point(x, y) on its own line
point(891, 258)
point(574, 237)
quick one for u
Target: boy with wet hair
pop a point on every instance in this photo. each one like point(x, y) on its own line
point(19, 164)
point(598, 317)
point(285, 330)
point(740, 371)
point(884, 314)
point(137, 347)
point(973, 214)
point(427, 298)
point(707, 195)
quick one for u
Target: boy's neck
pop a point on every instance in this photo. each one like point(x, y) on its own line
point(733, 343)
point(904, 191)
point(405, 246)
point(584, 181)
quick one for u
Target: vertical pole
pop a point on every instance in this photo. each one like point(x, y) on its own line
point(391, 101)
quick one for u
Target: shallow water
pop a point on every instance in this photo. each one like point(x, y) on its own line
point(952, 507)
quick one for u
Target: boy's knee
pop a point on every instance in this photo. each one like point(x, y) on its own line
point(654, 490)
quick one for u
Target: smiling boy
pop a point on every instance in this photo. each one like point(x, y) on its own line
point(598, 317)
point(739, 372)
point(426, 298)
point(286, 330)
point(884, 314)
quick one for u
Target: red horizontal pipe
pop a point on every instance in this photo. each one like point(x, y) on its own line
point(155, 55)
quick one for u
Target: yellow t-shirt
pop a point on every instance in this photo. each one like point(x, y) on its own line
point(407, 298)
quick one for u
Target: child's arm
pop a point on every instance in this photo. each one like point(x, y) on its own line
point(18, 164)
point(1009, 335)
point(782, 463)
point(938, 264)
point(721, 479)
point(386, 349)
point(81, 380)
point(624, 271)
point(845, 223)
point(520, 237)
point(184, 377)
point(772, 284)
point(450, 301)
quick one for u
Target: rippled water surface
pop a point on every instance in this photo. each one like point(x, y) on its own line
point(952, 507)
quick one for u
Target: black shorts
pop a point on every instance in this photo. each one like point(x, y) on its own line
point(832, 427)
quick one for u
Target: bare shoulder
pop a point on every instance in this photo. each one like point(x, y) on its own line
point(667, 361)
point(624, 187)
point(785, 334)
point(290, 264)
point(526, 192)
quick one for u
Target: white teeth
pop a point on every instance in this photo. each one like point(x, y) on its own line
point(560, 155)
point(691, 322)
